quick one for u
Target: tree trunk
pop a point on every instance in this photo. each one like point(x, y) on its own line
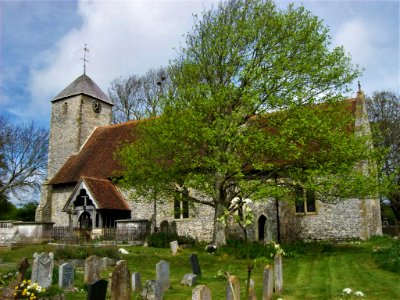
point(219, 237)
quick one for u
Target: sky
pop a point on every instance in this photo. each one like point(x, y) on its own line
point(41, 44)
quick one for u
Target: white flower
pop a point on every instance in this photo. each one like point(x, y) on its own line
point(359, 294)
point(347, 291)
point(247, 201)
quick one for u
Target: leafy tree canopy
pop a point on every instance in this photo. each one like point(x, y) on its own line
point(256, 109)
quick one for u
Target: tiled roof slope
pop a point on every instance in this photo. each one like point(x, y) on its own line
point(96, 158)
point(105, 193)
point(83, 85)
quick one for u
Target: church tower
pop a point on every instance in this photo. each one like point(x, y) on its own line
point(75, 112)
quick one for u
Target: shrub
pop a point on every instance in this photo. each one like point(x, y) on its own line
point(388, 258)
point(162, 239)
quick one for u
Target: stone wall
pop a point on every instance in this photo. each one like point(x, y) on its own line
point(17, 232)
point(60, 196)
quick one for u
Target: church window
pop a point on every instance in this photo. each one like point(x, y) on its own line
point(181, 207)
point(305, 201)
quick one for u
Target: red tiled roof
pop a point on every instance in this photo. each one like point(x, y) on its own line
point(105, 194)
point(96, 157)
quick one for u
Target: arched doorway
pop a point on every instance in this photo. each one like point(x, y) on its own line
point(85, 221)
point(262, 220)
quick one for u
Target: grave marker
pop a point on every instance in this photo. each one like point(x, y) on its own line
point(121, 284)
point(93, 267)
point(136, 282)
point(66, 276)
point(278, 273)
point(42, 269)
point(201, 292)
point(194, 262)
point(174, 247)
point(189, 279)
point(97, 290)
point(233, 288)
point(268, 283)
point(162, 274)
point(152, 290)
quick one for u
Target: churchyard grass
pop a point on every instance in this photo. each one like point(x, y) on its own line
point(314, 271)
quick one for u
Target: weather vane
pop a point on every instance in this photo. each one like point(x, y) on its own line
point(85, 49)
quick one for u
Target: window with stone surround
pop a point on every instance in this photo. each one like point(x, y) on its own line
point(305, 201)
point(181, 207)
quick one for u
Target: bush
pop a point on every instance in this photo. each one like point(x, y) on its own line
point(81, 252)
point(162, 239)
point(388, 258)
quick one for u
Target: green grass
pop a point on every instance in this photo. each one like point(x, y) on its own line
point(315, 271)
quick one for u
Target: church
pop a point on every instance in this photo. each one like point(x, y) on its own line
point(79, 191)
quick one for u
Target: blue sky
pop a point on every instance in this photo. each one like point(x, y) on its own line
point(41, 44)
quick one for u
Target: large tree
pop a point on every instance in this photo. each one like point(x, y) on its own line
point(138, 97)
point(384, 115)
point(243, 120)
point(23, 151)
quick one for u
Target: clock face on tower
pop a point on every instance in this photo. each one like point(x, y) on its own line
point(96, 105)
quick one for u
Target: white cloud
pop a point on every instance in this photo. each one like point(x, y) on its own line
point(124, 37)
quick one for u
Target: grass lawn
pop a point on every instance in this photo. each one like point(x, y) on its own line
point(315, 271)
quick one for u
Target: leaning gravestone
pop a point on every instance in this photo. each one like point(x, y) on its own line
point(66, 276)
point(194, 262)
point(189, 279)
point(278, 273)
point(233, 288)
point(93, 267)
point(136, 282)
point(268, 283)
point(174, 247)
point(201, 292)
point(97, 290)
point(42, 269)
point(252, 292)
point(152, 290)
point(162, 274)
point(121, 285)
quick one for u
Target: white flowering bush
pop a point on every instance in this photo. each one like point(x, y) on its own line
point(28, 290)
point(8, 277)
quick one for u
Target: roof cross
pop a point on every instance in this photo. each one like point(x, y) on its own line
point(85, 49)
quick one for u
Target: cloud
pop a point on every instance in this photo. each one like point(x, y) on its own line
point(124, 37)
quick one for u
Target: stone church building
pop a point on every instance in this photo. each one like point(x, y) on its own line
point(79, 191)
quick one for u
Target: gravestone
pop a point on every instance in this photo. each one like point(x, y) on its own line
point(42, 269)
point(189, 279)
point(174, 247)
point(268, 283)
point(93, 267)
point(136, 282)
point(7, 293)
point(233, 288)
point(162, 274)
point(66, 276)
point(194, 262)
point(97, 290)
point(164, 226)
point(152, 290)
point(201, 292)
point(121, 284)
point(278, 273)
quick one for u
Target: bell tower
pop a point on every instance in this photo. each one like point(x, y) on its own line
point(75, 112)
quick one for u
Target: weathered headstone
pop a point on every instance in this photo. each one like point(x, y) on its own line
point(201, 292)
point(42, 269)
point(93, 267)
point(233, 288)
point(97, 290)
point(162, 274)
point(174, 247)
point(152, 290)
point(252, 292)
point(189, 279)
point(278, 273)
point(121, 284)
point(194, 262)
point(136, 282)
point(66, 276)
point(268, 283)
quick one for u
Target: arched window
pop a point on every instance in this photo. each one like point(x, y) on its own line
point(262, 220)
